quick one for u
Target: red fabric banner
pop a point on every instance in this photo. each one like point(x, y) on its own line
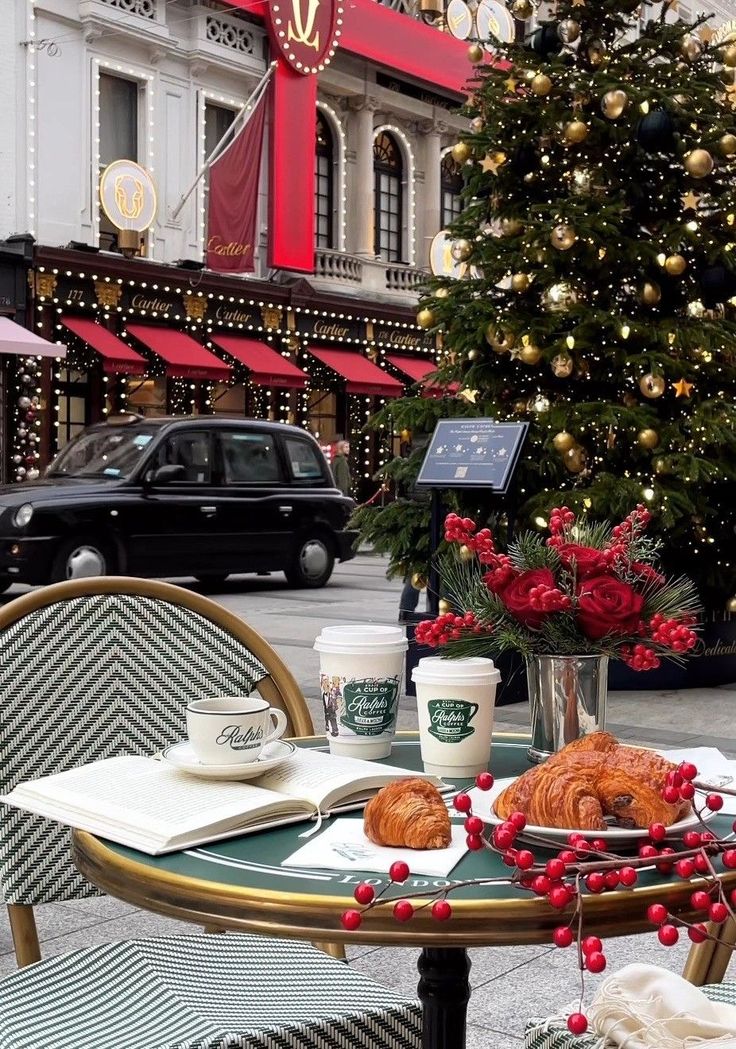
point(232, 207)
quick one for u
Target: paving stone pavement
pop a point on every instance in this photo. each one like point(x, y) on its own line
point(509, 984)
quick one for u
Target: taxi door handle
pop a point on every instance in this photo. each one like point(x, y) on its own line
point(209, 510)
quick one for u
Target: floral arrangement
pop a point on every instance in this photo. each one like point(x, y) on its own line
point(587, 589)
point(586, 866)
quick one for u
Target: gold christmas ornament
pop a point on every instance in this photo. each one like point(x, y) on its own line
point(563, 442)
point(530, 354)
point(675, 265)
point(648, 438)
point(522, 9)
point(461, 152)
point(563, 237)
point(699, 163)
point(441, 293)
point(426, 318)
point(650, 293)
point(576, 131)
point(510, 227)
point(559, 297)
point(682, 388)
point(727, 144)
point(520, 406)
point(568, 30)
point(661, 466)
point(691, 47)
point(405, 435)
point(596, 52)
point(581, 181)
point(728, 55)
point(444, 606)
point(477, 124)
point(731, 604)
point(461, 249)
point(475, 54)
point(419, 581)
point(500, 340)
point(473, 354)
point(466, 554)
point(562, 365)
point(520, 282)
point(652, 386)
point(614, 103)
point(541, 84)
point(574, 459)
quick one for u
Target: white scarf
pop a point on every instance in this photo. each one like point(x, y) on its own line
point(645, 1007)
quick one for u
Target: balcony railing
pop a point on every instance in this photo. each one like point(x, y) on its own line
point(337, 266)
point(353, 275)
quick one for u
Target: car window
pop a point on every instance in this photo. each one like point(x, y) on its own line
point(304, 460)
point(190, 449)
point(112, 452)
point(248, 458)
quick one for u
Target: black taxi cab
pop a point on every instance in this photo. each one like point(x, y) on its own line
point(201, 496)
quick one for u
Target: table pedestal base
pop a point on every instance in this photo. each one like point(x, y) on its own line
point(444, 992)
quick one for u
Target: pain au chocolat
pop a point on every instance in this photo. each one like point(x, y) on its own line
point(592, 778)
point(410, 814)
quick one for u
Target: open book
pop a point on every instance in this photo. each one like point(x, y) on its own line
point(153, 807)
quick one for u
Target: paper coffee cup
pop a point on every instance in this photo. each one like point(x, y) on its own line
point(230, 730)
point(360, 672)
point(455, 702)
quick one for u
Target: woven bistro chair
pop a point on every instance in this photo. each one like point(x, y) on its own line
point(96, 667)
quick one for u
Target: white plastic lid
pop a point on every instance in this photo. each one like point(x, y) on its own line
point(361, 638)
point(470, 671)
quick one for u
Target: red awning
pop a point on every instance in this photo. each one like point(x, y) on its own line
point(185, 358)
point(116, 355)
point(418, 368)
point(267, 367)
point(361, 374)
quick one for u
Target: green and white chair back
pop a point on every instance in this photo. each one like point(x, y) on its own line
point(93, 668)
point(197, 992)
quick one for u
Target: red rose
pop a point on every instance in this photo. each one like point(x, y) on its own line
point(515, 596)
point(606, 605)
point(584, 560)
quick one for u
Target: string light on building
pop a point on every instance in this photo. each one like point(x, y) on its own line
point(341, 203)
point(410, 168)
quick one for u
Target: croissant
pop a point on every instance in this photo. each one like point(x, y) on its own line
point(589, 779)
point(409, 813)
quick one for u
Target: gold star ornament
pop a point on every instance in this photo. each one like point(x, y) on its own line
point(493, 161)
point(682, 388)
point(468, 395)
point(511, 85)
point(690, 200)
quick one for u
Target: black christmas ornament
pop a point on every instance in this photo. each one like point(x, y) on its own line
point(656, 132)
point(546, 40)
point(717, 284)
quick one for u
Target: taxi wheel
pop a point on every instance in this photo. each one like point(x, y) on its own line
point(82, 557)
point(312, 562)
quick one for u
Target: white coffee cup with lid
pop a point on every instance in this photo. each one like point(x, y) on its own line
point(455, 704)
point(231, 730)
point(361, 669)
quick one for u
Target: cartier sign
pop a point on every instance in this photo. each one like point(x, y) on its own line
point(395, 337)
point(305, 31)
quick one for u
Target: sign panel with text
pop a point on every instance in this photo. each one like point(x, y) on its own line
point(472, 453)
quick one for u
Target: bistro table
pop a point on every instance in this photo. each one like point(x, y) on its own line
point(239, 884)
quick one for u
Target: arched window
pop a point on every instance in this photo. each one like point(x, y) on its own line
point(324, 201)
point(451, 184)
point(388, 206)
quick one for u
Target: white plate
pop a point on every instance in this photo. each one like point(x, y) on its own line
point(182, 757)
point(616, 835)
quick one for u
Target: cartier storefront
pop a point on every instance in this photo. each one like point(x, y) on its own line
point(158, 340)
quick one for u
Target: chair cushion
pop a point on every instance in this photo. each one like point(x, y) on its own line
point(202, 992)
point(553, 1033)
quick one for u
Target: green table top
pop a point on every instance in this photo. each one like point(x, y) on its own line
point(240, 882)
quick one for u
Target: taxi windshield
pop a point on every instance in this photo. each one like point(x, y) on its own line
point(112, 453)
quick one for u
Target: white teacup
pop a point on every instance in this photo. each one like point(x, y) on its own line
point(231, 730)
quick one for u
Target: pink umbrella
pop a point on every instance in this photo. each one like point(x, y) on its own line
point(16, 339)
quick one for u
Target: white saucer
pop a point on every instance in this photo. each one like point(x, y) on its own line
point(182, 757)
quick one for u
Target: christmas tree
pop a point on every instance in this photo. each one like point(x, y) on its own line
point(594, 284)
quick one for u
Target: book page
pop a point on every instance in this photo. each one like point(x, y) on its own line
point(138, 794)
point(325, 779)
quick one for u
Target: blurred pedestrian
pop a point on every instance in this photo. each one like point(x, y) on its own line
point(341, 467)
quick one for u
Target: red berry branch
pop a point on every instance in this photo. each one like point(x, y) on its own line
point(585, 863)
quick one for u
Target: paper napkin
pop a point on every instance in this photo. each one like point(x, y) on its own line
point(713, 768)
point(343, 846)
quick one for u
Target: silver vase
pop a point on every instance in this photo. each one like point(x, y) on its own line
point(567, 699)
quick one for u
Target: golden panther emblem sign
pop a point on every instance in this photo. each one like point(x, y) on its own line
point(128, 195)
